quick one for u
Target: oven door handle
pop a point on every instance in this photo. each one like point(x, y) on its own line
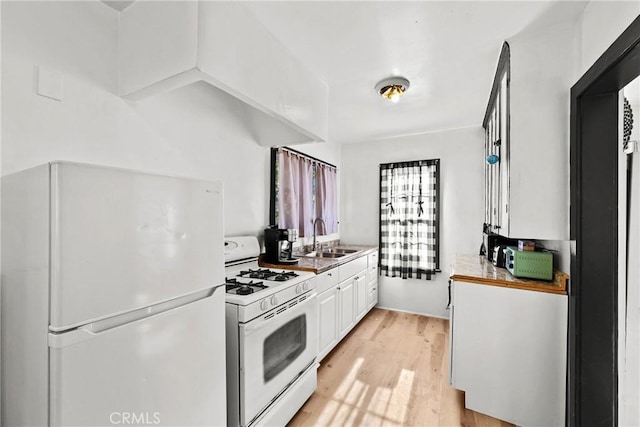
point(264, 321)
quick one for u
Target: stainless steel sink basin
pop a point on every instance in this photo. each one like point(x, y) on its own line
point(324, 254)
point(339, 250)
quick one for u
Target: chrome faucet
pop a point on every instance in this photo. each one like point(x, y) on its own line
point(315, 223)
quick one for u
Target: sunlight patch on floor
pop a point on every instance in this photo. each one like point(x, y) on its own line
point(383, 406)
point(391, 404)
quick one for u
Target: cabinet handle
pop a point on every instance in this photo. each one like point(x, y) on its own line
point(329, 274)
point(338, 288)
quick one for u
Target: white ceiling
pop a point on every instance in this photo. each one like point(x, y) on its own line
point(447, 49)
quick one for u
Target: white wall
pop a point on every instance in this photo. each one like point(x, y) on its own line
point(195, 132)
point(601, 23)
point(461, 186)
point(541, 77)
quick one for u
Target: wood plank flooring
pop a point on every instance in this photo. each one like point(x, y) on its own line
point(391, 370)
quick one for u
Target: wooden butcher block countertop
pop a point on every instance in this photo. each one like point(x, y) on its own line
point(478, 269)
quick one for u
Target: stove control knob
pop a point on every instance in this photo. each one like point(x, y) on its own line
point(264, 304)
point(298, 289)
point(305, 286)
point(274, 301)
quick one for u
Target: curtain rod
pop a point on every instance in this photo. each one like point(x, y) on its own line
point(429, 162)
point(305, 155)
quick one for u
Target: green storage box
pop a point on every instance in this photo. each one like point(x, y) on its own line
point(529, 264)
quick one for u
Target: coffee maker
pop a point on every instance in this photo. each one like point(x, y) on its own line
point(278, 243)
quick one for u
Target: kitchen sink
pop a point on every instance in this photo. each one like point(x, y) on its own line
point(324, 254)
point(335, 252)
point(339, 250)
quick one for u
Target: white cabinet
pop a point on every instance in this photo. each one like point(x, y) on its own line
point(328, 312)
point(327, 280)
point(372, 280)
point(356, 267)
point(347, 306)
point(352, 293)
point(360, 283)
point(508, 352)
point(344, 298)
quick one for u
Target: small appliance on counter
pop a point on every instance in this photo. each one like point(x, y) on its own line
point(529, 264)
point(278, 243)
point(491, 240)
point(499, 255)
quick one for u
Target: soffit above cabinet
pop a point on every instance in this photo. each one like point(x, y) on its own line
point(168, 45)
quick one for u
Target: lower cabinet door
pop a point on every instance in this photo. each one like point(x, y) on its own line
point(361, 295)
point(509, 352)
point(328, 312)
point(372, 294)
point(347, 306)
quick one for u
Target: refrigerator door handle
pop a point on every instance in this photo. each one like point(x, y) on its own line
point(65, 339)
point(91, 330)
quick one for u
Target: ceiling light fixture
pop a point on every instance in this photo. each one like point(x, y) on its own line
point(392, 88)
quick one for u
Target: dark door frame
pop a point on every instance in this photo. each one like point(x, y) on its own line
point(593, 298)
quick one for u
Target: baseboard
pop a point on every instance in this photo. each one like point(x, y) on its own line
point(412, 312)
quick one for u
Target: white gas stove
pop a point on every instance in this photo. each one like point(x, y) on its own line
point(257, 289)
point(272, 337)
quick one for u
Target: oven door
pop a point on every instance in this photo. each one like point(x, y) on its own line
point(274, 349)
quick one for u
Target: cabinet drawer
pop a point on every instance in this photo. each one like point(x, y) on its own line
point(372, 274)
point(373, 296)
point(372, 259)
point(327, 280)
point(352, 268)
point(371, 284)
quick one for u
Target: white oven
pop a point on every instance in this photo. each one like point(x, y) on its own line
point(271, 325)
point(274, 350)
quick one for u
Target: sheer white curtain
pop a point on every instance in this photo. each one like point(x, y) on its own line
point(295, 192)
point(326, 197)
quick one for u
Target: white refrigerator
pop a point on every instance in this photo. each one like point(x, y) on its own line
point(112, 304)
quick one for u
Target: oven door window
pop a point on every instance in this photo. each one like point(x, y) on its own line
point(283, 346)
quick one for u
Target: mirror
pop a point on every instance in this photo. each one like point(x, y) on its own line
point(303, 193)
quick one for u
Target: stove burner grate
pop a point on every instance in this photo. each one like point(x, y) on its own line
point(261, 273)
point(233, 286)
point(285, 275)
point(266, 274)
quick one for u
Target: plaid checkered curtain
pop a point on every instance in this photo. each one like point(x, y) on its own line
point(409, 219)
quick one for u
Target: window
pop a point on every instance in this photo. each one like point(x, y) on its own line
point(409, 219)
point(496, 150)
point(303, 189)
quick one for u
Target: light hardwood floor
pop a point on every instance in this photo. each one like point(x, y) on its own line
point(391, 370)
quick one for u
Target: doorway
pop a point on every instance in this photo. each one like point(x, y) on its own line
point(629, 247)
point(594, 299)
